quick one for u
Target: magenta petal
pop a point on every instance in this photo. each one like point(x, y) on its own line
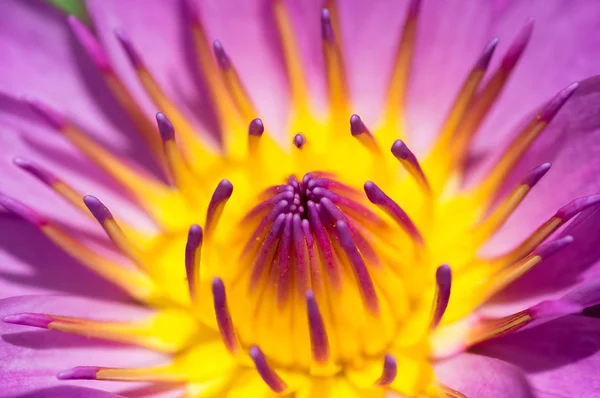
point(570, 144)
point(561, 358)
point(31, 358)
point(480, 376)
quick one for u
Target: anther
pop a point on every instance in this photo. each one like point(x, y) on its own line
point(63, 189)
point(299, 141)
point(132, 54)
point(524, 139)
point(217, 203)
point(193, 250)
point(50, 116)
point(326, 28)
point(113, 230)
point(178, 168)
point(389, 372)
point(221, 55)
point(266, 251)
point(362, 134)
point(223, 316)
point(409, 161)
point(256, 129)
point(563, 215)
point(318, 334)
point(267, 373)
point(507, 206)
point(90, 44)
point(284, 262)
point(443, 281)
point(384, 202)
point(79, 373)
point(361, 273)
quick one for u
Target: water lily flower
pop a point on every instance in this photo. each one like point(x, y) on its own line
point(256, 198)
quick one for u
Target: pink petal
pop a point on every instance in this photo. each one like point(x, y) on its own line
point(451, 37)
point(161, 31)
point(31, 358)
point(560, 358)
point(247, 31)
point(41, 60)
point(68, 391)
point(31, 264)
point(158, 31)
point(480, 376)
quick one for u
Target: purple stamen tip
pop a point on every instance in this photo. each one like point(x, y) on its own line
point(50, 116)
point(443, 280)
point(577, 206)
point(41, 174)
point(80, 373)
point(165, 127)
point(400, 150)
point(266, 372)
point(518, 46)
point(223, 191)
point(326, 27)
point(357, 126)
point(374, 194)
point(443, 276)
point(536, 174)
point(485, 58)
point(19, 209)
point(222, 314)
point(318, 333)
point(218, 291)
point(97, 208)
point(194, 241)
point(379, 198)
point(547, 249)
point(256, 128)
point(221, 55)
point(390, 370)
point(365, 283)
point(29, 319)
point(194, 236)
point(299, 141)
point(132, 54)
point(552, 108)
point(90, 44)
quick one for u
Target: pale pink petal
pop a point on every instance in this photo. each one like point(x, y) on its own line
point(480, 376)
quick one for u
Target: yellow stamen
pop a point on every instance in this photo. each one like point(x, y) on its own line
point(293, 64)
point(335, 73)
point(393, 114)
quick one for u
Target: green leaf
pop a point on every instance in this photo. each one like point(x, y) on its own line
point(72, 7)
